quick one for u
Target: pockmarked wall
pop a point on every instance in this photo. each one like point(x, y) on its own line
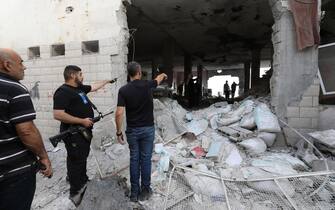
point(50, 34)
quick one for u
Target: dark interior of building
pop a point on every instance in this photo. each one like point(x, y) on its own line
point(209, 38)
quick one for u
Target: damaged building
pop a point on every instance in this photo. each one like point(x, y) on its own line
point(205, 38)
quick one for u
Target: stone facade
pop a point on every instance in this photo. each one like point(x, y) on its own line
point(44, 72)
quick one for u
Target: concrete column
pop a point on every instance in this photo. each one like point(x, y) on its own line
point(199, 73)
point(187, 66)
point(168, 59)
point(255, 65)
point(246, 76)
point(154, 67)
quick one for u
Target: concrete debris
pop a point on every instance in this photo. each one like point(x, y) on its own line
point(248, 121)
point(227, 121)
point(164, 162)
point(325, 137)
point(265, 120)
point(199, 184)
point(268, 138)
point(197, 126)
point(233, 141)
point(254, 145)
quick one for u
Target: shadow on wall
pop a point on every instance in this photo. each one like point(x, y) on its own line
point(35, 92)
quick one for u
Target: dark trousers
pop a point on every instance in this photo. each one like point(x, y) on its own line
point(17, 192)
point(140, 140)
point(232, 94)
point(226, 93)
point(78, 150)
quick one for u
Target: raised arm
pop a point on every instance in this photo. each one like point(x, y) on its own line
point(160, 78)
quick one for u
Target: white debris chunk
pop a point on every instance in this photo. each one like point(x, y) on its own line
point(227, 121)
point(326, 137)
point(248, 121)
point(234, 159)
point(197, 126)
point(200, 184)
point(265, 120)
point(205, 143)
point(268, 138)
point(254, 145)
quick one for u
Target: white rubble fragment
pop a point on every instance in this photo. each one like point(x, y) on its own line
point(234, 159)
point(197, 126)
point(268, 138)
point(214, 110)
point(164, 162)
point(326, 137)
point(248, 121)
point(265, 120)
point(287, 158)
point(215, 150)
point(189, 116)
point(254, 145)
point(227, 121)
point(205, 143)
point(213, 122)
point(274, 165)
point(200, 184)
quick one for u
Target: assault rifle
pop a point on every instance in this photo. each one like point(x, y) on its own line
point(76, 129)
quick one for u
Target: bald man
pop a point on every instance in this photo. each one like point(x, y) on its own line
point(22, 152)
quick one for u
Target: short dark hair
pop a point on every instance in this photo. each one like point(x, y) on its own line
point(132, 68)
point(70, 69)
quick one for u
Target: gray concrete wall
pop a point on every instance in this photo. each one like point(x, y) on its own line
point(293, 70)
point(294, 84)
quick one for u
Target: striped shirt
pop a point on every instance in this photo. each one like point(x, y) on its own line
point(15, 107)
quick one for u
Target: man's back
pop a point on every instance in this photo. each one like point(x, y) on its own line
point(136, 97)
point(226, 87)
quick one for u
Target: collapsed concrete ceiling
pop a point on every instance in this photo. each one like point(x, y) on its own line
point(216, 31)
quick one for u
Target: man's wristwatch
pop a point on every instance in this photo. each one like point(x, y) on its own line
point(118, 134)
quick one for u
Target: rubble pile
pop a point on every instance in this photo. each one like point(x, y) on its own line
point(194, 151)
point(234, 142)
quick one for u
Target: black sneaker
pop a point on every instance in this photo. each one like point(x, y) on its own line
point(76, 198)
point(145, 194)
point(133, 198)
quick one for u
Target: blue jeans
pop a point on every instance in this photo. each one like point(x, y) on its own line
point(140, 140)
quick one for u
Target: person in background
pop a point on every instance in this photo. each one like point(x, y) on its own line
point(233, 89)
point(226, 90)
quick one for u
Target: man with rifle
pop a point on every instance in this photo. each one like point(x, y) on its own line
point(72, 107)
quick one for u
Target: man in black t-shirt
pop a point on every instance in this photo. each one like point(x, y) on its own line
point(136, 99)
point(21, 145)
point(72, 107)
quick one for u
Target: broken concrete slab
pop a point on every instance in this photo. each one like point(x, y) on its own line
point(326, 137)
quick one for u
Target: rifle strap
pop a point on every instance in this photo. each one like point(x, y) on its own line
point(64, 87)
